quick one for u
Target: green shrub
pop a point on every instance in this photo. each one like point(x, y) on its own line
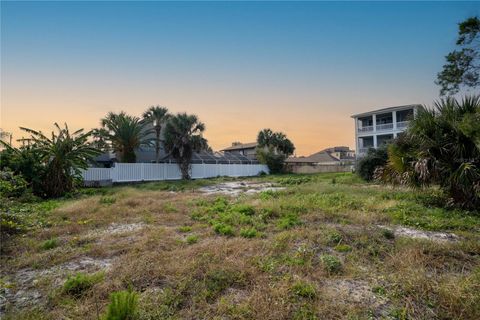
point(343, 248)
point(244, 209)
point(76, 285)
point(374, 158)
point(12, 185)
point(191, 239)
point(334, 238)
point(216, 281)
point(274, 161)
point(49, 244)
point(331, 263)
point(305, 312)
point(288, 221)
point(304, 290)
point(223, 229)
point(123, 306)
point(249, 232)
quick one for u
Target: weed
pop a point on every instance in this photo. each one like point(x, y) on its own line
point(107, 200)
point(216, 281)
point(244, 209)
point(76, 285)
point(185, 229)
point(304, 312)
point(303, 289)
point(388, 234)
point(223, 229)
point(288, 221)
point(331, 263)
point(343, 248)
point(49, 244)
point(123, 306)
point(249, 232)
point(191, 239)
point(334, 238)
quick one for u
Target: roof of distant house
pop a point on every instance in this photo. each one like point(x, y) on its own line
point(385, 109)
point(321, 156)
point(241, 146)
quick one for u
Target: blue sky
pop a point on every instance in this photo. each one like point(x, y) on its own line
point(302, 68)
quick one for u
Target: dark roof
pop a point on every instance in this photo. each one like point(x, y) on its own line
point(386, 109)
point(241, 146)
point(321, 156)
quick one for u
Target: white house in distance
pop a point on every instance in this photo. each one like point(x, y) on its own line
point(377, 127)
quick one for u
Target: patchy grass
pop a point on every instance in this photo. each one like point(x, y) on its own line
point(322, 248)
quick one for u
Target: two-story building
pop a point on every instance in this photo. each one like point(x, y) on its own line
point(377, 127)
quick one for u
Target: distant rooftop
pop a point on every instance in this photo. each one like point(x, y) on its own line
point(386, 109)
point(241, 146)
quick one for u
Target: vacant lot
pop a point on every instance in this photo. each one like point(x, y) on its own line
point(324, 246)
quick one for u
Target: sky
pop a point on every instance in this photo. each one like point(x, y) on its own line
point(298, 67)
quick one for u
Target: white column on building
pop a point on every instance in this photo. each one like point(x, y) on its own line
point(394, 119)
point(375, 141)
point(374, 120)
point(356, 136)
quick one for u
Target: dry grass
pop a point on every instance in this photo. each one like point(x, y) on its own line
point(317, 253)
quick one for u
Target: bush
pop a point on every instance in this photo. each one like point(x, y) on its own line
point(76, 285)
point(123, 306)
point(343, 248)
point(289, 221)
point(274, 161)
point(11, 184)
point(373, 159)
point(331, 263)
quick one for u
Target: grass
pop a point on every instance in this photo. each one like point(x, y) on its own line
point(323, 248)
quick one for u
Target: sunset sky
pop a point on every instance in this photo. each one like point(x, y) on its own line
point(302, 68)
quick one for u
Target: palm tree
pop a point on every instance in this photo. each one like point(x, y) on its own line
point(183, 136)
point(62, 156)
point(125, 134)
point(156, 116)
point(441, 146)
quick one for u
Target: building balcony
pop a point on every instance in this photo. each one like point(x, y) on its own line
point(364, 150)
point(402, 124)
point(384, 126)
point(365, 129)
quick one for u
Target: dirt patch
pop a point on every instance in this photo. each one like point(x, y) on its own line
point(236, 188)
point(20, 289)
point(355, 292)
point(420, 234)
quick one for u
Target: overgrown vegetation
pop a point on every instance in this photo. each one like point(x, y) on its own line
point(273, 148)
point(315, 250)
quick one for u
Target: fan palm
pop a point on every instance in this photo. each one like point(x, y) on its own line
point(156, 116)
point(183, 136)
point(63, 156)
point(125, 134)
point(442, 146)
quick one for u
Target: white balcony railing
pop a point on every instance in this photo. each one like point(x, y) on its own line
point(403, 124)
point(385, 126)
point(364, 150)
point(365, 129)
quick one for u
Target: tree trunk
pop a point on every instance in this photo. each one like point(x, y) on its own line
point(157, 144)
point(185, 169)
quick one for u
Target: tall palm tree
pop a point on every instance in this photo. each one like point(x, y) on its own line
point(156, 116)
point(62, 156)
point(183, 136)
point(125, 134)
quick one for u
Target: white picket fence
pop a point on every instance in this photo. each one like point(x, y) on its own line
point(134, 172)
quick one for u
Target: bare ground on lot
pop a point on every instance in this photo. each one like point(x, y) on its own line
point(287, 247)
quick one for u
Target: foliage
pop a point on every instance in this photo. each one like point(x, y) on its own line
point(156, 116)
point(441, 147)
point(249, 232)
point(62, 157)
point(49, 244)
point(12, 185)
point(374, 158)
point(125, 134)
point(123, 306)
point(183, 137)
point(77, 285)
point(304, 290)
point(273, 148)
point(331, 263)
point(191, 239)
point(462, 67)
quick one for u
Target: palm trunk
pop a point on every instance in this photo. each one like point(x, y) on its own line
point(157, 145)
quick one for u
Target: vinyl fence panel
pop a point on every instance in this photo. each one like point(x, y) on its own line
point(134, 172)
